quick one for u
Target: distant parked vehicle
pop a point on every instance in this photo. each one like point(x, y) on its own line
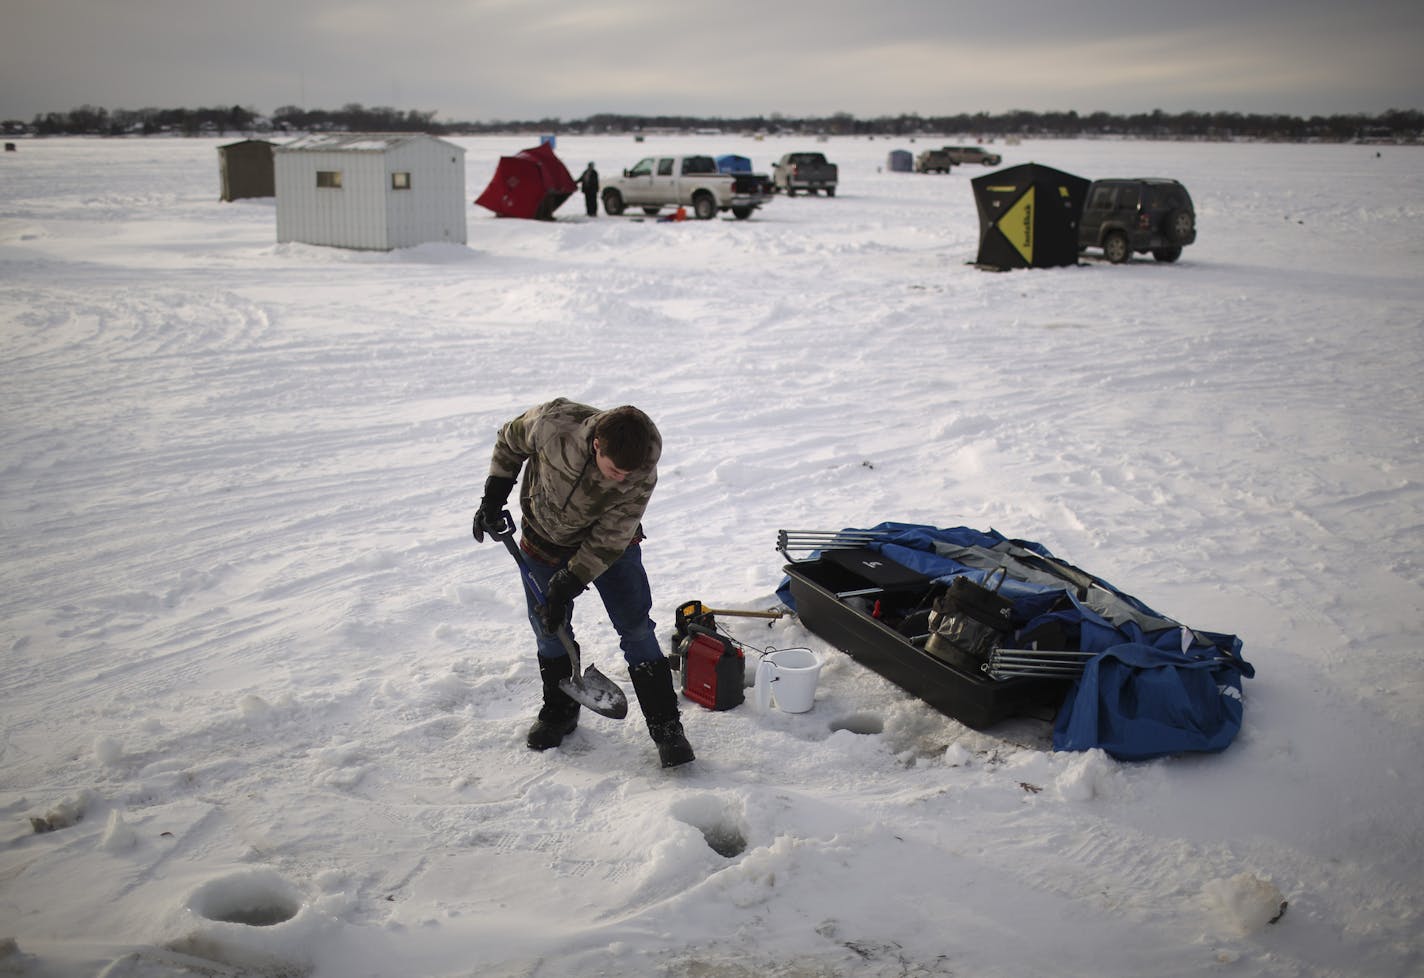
point(1139, 215)
point(973, 154)
point(810, 172)
point(933, 161)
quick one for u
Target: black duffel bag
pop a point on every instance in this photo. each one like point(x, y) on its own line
point(968, 621)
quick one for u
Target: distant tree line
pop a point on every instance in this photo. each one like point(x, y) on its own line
point(93, 121)
point(354, 117)
point(89, 120)
point(1396, 124)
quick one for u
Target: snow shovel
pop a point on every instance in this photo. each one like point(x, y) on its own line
point(591, 688)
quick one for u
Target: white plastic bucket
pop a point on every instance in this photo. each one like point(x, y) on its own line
point(789, 676)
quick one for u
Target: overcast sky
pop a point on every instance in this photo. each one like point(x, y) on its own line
point(483, 60)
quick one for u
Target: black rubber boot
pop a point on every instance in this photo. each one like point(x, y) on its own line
point(657, 698)
point(559, 715)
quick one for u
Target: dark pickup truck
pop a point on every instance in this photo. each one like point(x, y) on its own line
point(804, 171)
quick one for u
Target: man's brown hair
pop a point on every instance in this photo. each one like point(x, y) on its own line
point(625, 437)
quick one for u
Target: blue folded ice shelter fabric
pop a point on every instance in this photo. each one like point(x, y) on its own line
point(1154, 686)
point(1137, 702)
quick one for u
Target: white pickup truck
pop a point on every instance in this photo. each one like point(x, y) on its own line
point(685, 181)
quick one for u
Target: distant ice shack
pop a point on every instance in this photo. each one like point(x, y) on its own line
point(374, 191)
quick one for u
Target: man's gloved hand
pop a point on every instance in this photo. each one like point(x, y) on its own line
point(490, 516)
point(559, 599)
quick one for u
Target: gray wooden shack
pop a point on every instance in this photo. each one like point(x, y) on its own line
point(247, 169)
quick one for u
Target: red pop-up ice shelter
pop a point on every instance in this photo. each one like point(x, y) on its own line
point(530, 184)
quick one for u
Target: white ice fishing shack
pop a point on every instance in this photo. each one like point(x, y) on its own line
point(374, 191)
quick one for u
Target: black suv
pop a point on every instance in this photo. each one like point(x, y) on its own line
point(1146, 214)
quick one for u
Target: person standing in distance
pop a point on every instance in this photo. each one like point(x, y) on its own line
point(588, 181)
point(587, 478)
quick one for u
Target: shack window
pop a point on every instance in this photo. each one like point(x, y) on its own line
point(400, 180)
point(329, 178)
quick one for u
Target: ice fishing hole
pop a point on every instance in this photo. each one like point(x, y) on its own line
point(256, 899)
point(725, 840)
point(859, 723)
point(720, 828)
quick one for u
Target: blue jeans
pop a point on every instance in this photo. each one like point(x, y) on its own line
point(627, 598)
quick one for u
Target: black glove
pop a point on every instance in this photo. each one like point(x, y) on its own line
point(559, 599)
point(489, 518)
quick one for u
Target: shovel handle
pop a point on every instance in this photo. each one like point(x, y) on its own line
point(695, 609)
point(505, 535)
point(745, 614)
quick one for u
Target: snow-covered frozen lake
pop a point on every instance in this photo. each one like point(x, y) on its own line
point(254, 666)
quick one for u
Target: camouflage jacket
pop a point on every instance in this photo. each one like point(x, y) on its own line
point(567, 504)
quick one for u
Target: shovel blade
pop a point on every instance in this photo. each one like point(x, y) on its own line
point(597, 692)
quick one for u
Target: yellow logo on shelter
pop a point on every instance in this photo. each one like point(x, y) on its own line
point(1017, 226)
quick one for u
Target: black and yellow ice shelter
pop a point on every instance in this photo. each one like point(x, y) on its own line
point(1028, 216)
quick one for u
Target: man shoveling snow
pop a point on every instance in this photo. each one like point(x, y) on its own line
point(588, 476)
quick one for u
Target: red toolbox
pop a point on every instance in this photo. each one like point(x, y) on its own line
point(713, 669)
